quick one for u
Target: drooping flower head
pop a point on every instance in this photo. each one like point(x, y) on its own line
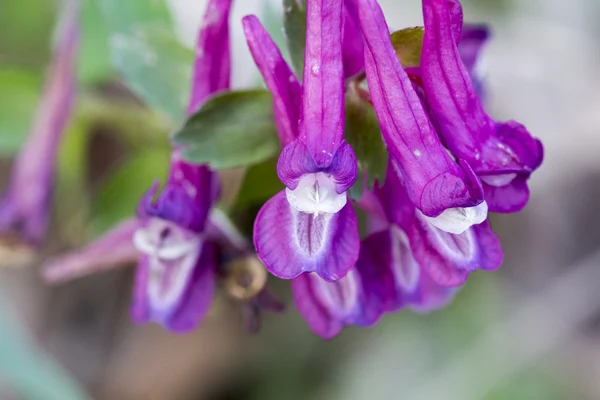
point(175, 278)
point(446, 191)
point(25, 207)
point(310, 226)
point(502, 154)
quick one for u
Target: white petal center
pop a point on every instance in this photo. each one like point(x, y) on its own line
point(316, 194)
point(459, 219)
point(172, 254)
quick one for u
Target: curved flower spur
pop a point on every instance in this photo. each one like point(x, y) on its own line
point(310, 226)
point(446, 192)
point(503, 155)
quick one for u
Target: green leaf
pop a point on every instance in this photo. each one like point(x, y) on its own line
point(408, 43)
point(294, 28)
point(232, 129)
point(363, 134)
point(146, 51)
point(118, 196)
point(18, 102)
point(28, 371)
point(260, 184)
point(93, 64)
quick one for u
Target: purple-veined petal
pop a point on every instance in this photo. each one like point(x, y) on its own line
point(213, 61)
point(446, 257)
point(290, 242)
point(322, 120)
point(329, 306)
point(353, 44)
point(25, 207)
point(449, 258)
point(393, 278)
point(278, 77)
point(435, 182)
point(491, 148)
point(113, 249)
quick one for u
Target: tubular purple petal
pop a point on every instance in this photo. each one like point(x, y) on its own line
point(322, 121)
point(353, 44)
point(448, 258)
point(290, 242)
point(498, 152)
point(278, 77)
point(176, 275)
point(434, 181)
point(329, 306)
point(213, 60)
point(25, 208)
point(113, 249)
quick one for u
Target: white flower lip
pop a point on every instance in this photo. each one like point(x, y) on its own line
point(459, 219)
point(316, 194)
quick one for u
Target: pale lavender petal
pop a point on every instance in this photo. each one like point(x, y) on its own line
point(212, 65)
point(290, 242)
point(322, 120)
point(113, 249)
point(449, 258)
point(199, 295)
point(278, 77)
point(329, 306)
point(434, 181)
point(25, 209)
point(190, 294)
point(393, 279)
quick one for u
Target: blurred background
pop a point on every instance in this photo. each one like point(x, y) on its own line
point(528, 331)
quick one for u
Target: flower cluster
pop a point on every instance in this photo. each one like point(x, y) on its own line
point(449, 164)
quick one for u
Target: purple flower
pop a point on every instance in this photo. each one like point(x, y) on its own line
point(309, 226)
point(448, 193)
point(175, 278)
point(502, 154)
point(328, 307)
point(444, 257)
point(25, 207)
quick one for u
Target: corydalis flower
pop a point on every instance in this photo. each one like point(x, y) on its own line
point(504, 154)
point(175, 278)
point(309, 226)
point(25, 208)
point(446, 192)
point(413, 247)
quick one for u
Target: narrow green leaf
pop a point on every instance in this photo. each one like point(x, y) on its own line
point(232, 129)
point(18, 101)
point(147, 53)
point(294, 28)
point(408, 43)
point(363, 134)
